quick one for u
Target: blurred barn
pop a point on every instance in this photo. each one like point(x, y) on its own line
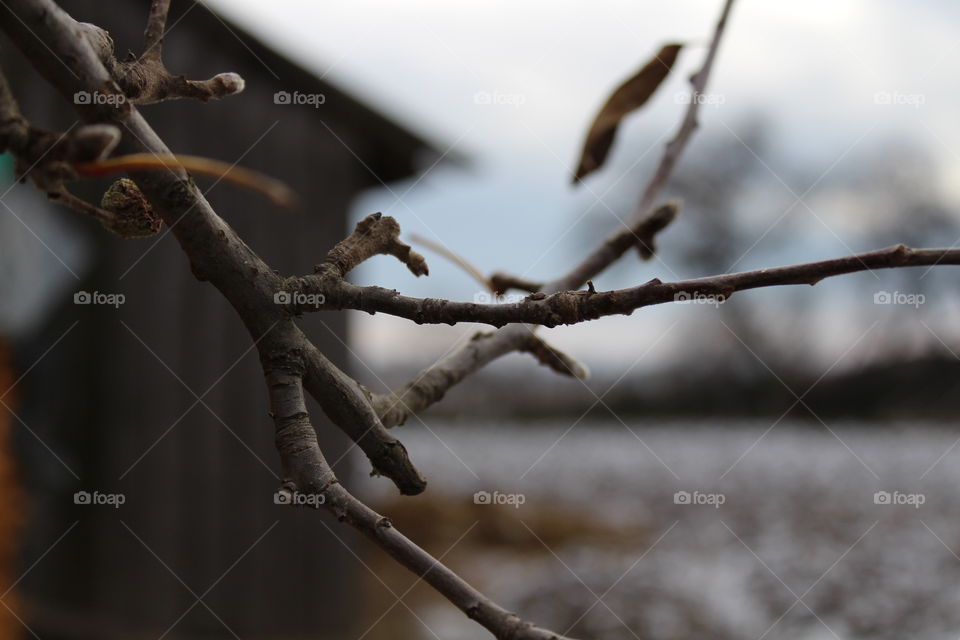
point(109, 398)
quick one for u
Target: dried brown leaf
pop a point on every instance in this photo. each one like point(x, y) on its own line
point(629, 96)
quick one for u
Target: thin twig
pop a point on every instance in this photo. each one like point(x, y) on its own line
point(156, 26)
point(458, 260)
point(679, 142)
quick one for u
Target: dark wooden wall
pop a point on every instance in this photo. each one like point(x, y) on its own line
point(201, 494)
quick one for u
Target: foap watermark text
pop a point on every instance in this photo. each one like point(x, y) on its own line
point(96, 297)
point(699, 498)
point(96, 498)
point(512, 499)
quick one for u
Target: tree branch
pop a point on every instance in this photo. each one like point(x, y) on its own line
point(217, 255)
point(345, 403)
point(500, 343)
point(573, 307)
point(641, 235)
point(690, 123)
point(306, 471)
point(290, 362)
point(215, 252)
point(430, 385)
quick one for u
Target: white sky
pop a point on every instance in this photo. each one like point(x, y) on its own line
point(812, 69)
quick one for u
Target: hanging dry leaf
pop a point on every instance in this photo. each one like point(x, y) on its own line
point(629, 96)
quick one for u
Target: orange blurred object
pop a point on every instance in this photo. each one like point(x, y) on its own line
point(10, 499)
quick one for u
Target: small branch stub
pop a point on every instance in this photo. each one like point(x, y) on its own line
point(374, 235)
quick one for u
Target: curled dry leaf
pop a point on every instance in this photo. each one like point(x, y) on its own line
point(629, 96)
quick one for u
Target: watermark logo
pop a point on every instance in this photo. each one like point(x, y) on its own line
point(708, 99)
point(696, 297)
point(95, 297)
point(697, 498)
point(496, 97)
point(86, 498)
point(911, 299)
point(896, 498)
point(485, 297)
point(311, 99)
point(512, 499)
point(299, 298)
point(97, 98)
point(915, 100)
point(297, 499)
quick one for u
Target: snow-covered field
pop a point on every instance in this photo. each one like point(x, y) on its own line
point(781, 536)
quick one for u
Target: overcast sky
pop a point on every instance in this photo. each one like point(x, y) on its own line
point(812, 70)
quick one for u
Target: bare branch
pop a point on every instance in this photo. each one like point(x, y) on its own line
point(641, 235)
point(658, 219)
point(501, 342)
point(676, 146)
point(431, 384)
point(291, 363)
point(572, 307)
point(306, 471)
point(207, 240)
point(344, 402)
point(218, 255)
point(304, 467)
